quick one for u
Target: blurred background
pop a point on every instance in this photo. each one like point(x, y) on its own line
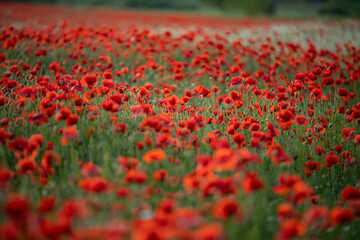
point(274, 8)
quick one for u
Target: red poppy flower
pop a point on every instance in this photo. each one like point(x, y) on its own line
point(94, 184)
point(349, 193)
point(331, 160)
point(340, 215)
point(278, 155)
point(89, 80)
point(226, 208)
point(252, 182)
point(155, 155)
point(251, 81)
point(239, 139)
point(46, 204)
point(26, 165)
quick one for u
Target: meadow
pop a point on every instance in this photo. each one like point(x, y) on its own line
point(147, 125)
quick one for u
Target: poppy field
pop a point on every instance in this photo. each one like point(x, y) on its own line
point(159, 126)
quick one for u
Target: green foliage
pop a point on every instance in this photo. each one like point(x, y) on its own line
point(162, 4)
point(342, 7)
point(248, 6)
point(251, 7)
